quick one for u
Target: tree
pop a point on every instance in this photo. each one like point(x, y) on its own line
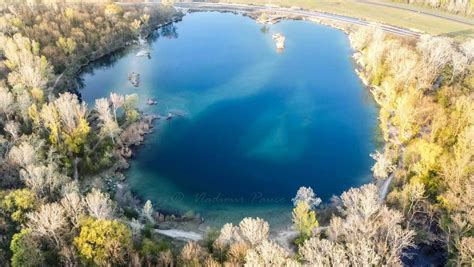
point(6, 103)
point(48, 222)
point(13, 128)
point(383, 164)
point(150, 250)
point(130, 107)
point(192, 254)
point(423, 157)
point(165, 258)
point(323, 252)
point(99, 205)
point(117, 102)
point(25, 250)
point(26, 66)
point(406, 113)
point(71, 121)
point(436, 53)
point(104, 242)
point(361, 38)
point(68, 45)
point(147, 212)
point(459, 64)
point(304, 220)
point(66, 122)
point(109, 126)
point(18, 203)
point(73, 207)
point(268, 253)
point(254, 230)
point(23, 155)
point(237, 252)
point(468, 49)
point(250, 231)
point(113, 10)
point(44, 180)
point(39, 173)
point(306, 194)
point(370, 232)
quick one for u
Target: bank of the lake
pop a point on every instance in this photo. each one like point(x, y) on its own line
point(252, 125)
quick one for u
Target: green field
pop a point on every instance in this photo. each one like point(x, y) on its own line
point(388, 15)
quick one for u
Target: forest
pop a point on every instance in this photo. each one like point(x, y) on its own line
point(56, 209)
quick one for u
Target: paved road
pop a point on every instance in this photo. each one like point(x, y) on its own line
point(290, 11)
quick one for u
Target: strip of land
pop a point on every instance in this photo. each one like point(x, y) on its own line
point(415, 18)
point(293, 12)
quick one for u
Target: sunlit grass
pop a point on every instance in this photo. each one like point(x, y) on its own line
point(388, 15)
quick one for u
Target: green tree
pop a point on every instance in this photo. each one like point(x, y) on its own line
point(65, 120)
point(150, 250)
point(104, 242)
point(18, 203)
point(113, 10)
point(25, 250)
point(304, 220)
point(68, 45)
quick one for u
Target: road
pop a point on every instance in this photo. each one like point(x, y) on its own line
point(296, 12)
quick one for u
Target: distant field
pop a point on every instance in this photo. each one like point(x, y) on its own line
point(384, 14)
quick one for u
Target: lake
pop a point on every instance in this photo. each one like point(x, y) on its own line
point(256, 124)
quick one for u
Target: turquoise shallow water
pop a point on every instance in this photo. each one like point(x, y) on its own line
point(258, 124)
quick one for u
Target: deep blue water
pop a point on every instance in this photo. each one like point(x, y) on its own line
point(258, 125)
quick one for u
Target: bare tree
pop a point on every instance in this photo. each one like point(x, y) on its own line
point(27, 67)
point(268, 253)
point(436, 53)
point(99, 205)
point(23, 155)
point(323, 252)
point(13, 128)
point(251, 231)
point(192, 254)
point(254, 230)
point(460, 64)
point(370, 232)
point(109, 126)
point(45, 181)
point(383, 164)
point(468, 49)
point(306, 194)
point(117, 102)
point(6, 102)
point(73, 207)
point(49, 222)
point(147, 211)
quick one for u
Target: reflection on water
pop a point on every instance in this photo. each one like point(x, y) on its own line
point(256, 124)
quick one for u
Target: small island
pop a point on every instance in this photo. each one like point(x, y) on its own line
point(134, 79)
point(279, 41)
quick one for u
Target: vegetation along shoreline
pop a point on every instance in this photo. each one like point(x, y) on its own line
point(65, 201)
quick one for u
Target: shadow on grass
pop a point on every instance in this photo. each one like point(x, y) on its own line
point(463, 33)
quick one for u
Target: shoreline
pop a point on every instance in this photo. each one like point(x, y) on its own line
point(178, 16)
point(177, 225)
point(283, 11)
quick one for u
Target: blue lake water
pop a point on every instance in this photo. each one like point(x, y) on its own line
point(258, 124)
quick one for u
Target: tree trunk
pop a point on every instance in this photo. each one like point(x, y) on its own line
point(76, 172)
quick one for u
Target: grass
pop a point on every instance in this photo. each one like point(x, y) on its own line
point(387, 15)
